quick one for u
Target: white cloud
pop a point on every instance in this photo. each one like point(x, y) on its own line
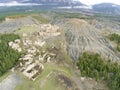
point(91, 2)
point(14, 3)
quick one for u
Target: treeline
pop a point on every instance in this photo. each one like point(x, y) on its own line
point(8, 56)
point(116, 38)
point(94, 66)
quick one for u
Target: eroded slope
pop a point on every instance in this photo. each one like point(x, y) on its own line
point(82, 37)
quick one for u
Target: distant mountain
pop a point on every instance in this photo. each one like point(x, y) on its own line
point(56, 2)
point(108, 8)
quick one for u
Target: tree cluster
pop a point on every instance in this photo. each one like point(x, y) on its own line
point(116, 38)
point(94, 66)
point(8, 56)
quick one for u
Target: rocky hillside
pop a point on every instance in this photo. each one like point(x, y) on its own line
point(82, 37)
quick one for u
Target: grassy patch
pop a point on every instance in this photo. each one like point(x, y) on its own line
point(52, 67)
point(52, 85)
point(40, 19)
point(4, 76)
point(43, 82)
point(26, 29)
point(17, 16)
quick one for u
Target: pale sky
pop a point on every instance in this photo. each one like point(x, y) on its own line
point(91, 2)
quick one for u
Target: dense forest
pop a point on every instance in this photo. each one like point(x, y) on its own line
point(94, 66)
point(8, 56)
point(116, 38)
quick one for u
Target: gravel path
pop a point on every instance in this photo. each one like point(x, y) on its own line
point(10, 82)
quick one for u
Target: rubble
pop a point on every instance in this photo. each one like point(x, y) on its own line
point(31, 63)
point(15, 45)
point(33, 69)
point(17, 41)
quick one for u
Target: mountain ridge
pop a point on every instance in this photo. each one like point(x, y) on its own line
point(108, 8)
point(59, 2)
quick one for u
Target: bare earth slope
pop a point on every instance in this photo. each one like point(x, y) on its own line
point(82, 37)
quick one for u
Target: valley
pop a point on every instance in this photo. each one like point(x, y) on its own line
point(58, 49)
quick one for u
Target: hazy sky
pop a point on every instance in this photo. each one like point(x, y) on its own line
point(90, 2)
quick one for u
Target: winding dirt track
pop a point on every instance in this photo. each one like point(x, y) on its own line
point(10, 82)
